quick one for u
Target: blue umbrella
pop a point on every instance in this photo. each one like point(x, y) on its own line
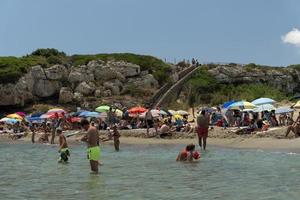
point(283, 110)
point(228, 103)
point(38, 119)
point(9, 120)
point(262, 101)
point(89, 114)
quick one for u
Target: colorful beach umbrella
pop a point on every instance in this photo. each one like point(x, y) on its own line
point(89, 114)
point(177, 116)
point(103, 108)
point(137, 110)
point(154, 112)
point(264, 107)
point(297, 105)
point(15, 116)
point(9, 120)
point(56, 110)
point(182, 112)
point(241, 105)
point(22, 114)
point(228, 103)
point(262, 101)
point(283, 110)
point(172, 112)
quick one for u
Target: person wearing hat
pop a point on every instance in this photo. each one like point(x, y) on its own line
point(63, 146)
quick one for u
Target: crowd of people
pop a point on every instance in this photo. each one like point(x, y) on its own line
point(161, 126)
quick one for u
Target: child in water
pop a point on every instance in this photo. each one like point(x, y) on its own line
point(188, 154)
point(63, 147)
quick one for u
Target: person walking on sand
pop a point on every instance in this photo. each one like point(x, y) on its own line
point(92, 140)
point(149, 120)
point(115, 135)
point(202, 128)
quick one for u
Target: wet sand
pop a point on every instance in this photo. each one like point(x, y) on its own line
point(271, 140)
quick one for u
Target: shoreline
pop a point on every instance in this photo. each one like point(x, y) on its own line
point(292, 145)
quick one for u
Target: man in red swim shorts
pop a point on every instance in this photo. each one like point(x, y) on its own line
point(202, 128)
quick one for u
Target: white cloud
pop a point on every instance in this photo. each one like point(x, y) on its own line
point(292, 37)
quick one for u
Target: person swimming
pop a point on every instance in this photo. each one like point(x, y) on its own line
point(63, 147)
point(188, 154)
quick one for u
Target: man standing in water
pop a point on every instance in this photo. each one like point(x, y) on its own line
point(92, 140)
point(202, 128)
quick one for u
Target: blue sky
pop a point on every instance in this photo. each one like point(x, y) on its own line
point(241, 31)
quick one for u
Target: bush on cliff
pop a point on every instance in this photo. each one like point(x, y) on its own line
point(12, 68)
point(206, 90)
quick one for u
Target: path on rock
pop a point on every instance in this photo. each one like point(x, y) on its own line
point(161, 96)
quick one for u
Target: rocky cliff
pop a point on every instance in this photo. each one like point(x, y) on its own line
point(285, 79)
point(74, 84)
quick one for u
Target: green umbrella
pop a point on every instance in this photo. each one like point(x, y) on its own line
point(102, 108)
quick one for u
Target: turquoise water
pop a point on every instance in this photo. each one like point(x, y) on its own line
point(148, 172)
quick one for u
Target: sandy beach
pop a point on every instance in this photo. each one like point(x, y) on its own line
point(270, 140)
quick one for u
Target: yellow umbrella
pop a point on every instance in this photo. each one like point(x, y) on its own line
point(297, 105)
point(14, 116)
point(119, 113)
point(178, 116)
point(172, 112)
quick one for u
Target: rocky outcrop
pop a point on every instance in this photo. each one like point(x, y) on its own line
point(85, 88)
point(284, 79)
point(75, 83)
point(65, 95)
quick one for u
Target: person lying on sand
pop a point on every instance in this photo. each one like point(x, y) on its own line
point(188, 154)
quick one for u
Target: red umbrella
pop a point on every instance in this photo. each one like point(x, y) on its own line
point(22, 114)
point(136, 110)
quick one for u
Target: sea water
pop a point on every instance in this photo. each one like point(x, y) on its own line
point(31, 171)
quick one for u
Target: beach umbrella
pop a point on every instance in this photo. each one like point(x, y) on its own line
point(56, 110)
point(172, 112)
point(241, 105)
point(119, 112)
point(161, 112)
point(137, 110)
point(22, 114)
point(182, 112)
point(177, 116)
point(9, 120)
point(264, 107)
point(228, 103)
point(51, 116)
point(297, 105)
point(283, 110)
point(208, 110)
point(103, 108)
point(155, 113)
point(36, 114)
point(14, 116)
point(89, 114)
point(262, 101)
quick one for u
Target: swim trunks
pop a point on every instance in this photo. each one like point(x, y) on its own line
point(64, 155)
point(202, 132)
point(94, 153)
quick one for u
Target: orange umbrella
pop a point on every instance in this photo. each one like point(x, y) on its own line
point(137, 110)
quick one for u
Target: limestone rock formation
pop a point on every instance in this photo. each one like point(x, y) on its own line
point(65, 95)
point(85, 88)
